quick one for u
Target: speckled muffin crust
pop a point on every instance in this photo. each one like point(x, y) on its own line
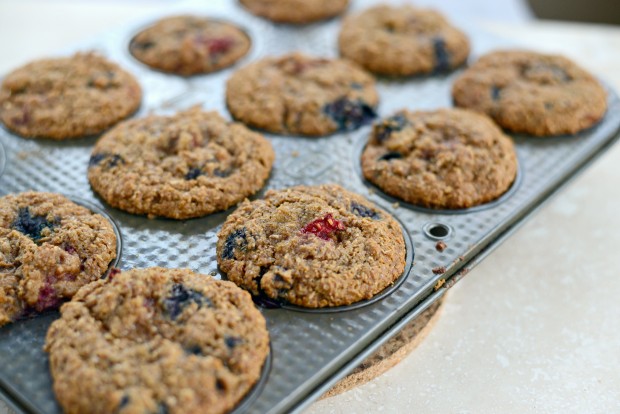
point(402, 41)
point(532, 93)
point(314, 247)
point(187, 165)
point(295, 11)
point(156, 341)
point(49, 248)
point(302, 95)
point(68, 97)
point(448, 158)
point(188, 45)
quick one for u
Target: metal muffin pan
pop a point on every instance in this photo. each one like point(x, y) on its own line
point(310, 351)
point(2, 159)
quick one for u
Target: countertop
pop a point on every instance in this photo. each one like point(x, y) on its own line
point(547, 339)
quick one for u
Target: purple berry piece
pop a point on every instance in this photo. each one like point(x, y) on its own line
point(390, 156)
point(232, 341)
point(350, 115)
point(180, 297)
point(193, 173)
point(31, 226)
point(23, 118)
point(123, 403)
point(194, 350)
point(95, 159)
point(48, 298)
point(236, 239)
point(384, 129)
point(162, 408)
point(115, 159)
point(363, 211)
point(262, 299)
point(495, 92)
point(266, 302)
point(442, 56)
point(221, 173)
point(112, 160)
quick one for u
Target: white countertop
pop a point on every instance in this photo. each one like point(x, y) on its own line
point(548, 339)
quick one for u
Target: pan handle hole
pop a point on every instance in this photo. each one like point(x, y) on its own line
point(437, 231)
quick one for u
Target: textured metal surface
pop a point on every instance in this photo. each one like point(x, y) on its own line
point(307, 348)
point(2, 159)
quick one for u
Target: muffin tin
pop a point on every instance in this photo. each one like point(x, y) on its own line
point(309, 350)
point(2, 159)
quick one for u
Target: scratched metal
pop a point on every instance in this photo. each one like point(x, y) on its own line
point(308, 349)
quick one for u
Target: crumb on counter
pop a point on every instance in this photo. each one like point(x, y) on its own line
point(441, 246)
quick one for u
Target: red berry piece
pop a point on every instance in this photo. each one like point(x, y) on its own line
point(48, 298)
point(113, 272)
point(300, 67)
point(222, 45)
point(323, 227)
point(216, 46)
point(23, 119)
point(69, 249)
